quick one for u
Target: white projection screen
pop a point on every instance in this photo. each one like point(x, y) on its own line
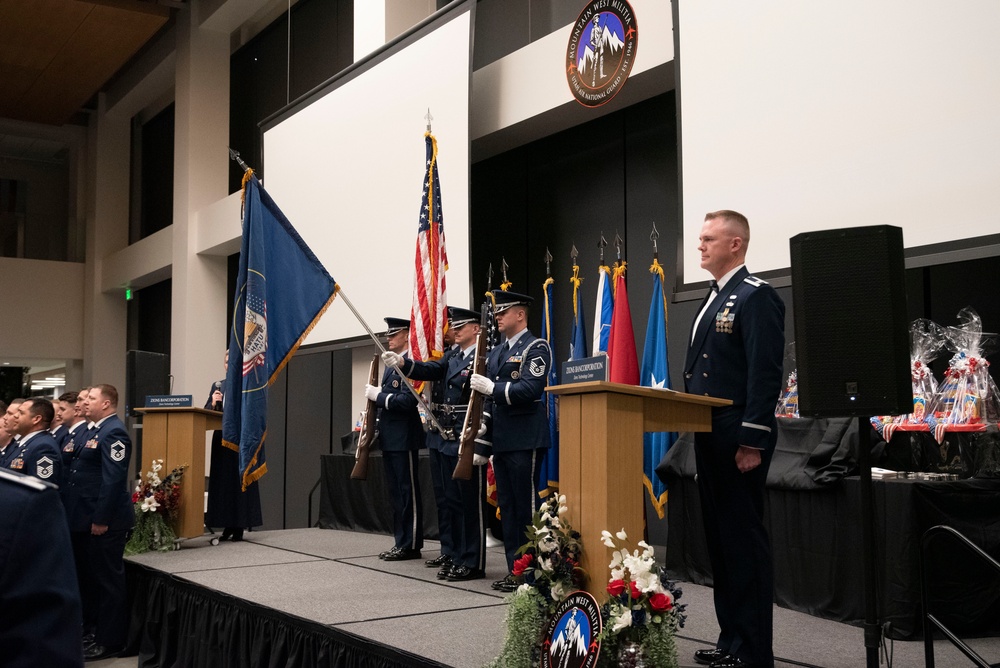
point(347, 169)
point(821, 115)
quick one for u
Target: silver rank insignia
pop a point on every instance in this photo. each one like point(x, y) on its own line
point(537, 367)
point(117, 451)
point(44, 468)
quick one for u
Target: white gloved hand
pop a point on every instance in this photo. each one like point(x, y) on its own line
point(392, 359)
point(482, 384)
point(479, 460)
point(482, 430)
point(371, 392)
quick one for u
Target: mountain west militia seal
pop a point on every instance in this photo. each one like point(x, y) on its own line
point(601, 52)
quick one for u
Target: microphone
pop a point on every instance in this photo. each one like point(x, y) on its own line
point(217, 387)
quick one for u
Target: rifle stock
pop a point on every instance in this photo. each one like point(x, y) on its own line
point(474, 413)
point(367, 436)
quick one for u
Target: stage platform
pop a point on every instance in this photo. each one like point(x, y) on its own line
point(315, 597)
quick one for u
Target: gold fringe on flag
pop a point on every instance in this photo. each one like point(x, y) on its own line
point(243, 188)
point(619, 270)
point(657, 268)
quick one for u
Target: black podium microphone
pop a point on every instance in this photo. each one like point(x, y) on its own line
point(217, 387)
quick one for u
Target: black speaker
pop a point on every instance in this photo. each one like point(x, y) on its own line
point(851, 335)
point(146, 373)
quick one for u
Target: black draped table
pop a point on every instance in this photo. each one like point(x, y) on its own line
point(813, 515)
point(363, 505)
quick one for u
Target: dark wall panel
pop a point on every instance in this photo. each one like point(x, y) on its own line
point(307, 432)
point(272, 485)
point(341, 392)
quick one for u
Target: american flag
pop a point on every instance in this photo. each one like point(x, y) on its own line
point(429, 313)
point(492, 335)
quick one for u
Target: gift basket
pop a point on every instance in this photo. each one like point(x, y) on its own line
point(927, 340)
point(967, 398)
point(788, 405)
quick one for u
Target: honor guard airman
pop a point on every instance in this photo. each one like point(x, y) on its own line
point(517, 426)
point(463, 533)
point(401, 436)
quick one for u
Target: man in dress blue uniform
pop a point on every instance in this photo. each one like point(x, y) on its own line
point(36, 453)
point(735, 352)
point(400, 436)
point(100, 515)
point(517, 425)
point(464, 532)
point(9, 420)
point(39, 601)
point(67, 415)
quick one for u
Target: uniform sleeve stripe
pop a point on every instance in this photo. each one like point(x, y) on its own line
point(506, 393)
point(751, 425)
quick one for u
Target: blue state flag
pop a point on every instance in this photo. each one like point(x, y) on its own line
point(604, 310)
point(655, 372)
point(578, 338)
point(282, 291)
point(549, 478)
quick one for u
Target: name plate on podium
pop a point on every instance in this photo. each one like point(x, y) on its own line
point(169, 400)
point(585, 370)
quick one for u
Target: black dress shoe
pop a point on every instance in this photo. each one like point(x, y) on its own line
point(507, 585)
point(401, 554)
point(445, 570)
point(97, 652)
point(382, 555)
point(728, 661)
point(709, 656)
point(443, 560)
point(237, 535)
point(88, 640)
point(464, 573)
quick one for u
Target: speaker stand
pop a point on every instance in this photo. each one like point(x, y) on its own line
point(872, 627)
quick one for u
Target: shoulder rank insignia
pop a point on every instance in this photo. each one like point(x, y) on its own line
point(754, 281)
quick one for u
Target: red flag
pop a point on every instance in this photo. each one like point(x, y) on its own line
point(429, 313)
point(622, 357)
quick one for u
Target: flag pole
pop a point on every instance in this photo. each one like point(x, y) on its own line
point(381, 349)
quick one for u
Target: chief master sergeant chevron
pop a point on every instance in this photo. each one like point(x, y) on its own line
point(735, 353)
point(518, 427)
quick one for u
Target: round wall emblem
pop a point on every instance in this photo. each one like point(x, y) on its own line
point(571, 636)
point(602, 48)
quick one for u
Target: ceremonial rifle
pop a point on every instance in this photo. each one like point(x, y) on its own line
point(474, 413)
point(367, 435)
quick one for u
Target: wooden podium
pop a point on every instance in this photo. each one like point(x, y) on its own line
point(600, 458)
point(177, 436)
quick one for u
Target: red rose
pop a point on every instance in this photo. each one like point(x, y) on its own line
point(634, 591)
point(660, 602)
point(616, 587)
point(521, 564)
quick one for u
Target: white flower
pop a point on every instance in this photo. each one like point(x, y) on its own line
point(545, 564)
point(647, 549)
point(617, 573)
point(524, 589)
point(562, 510)
point(622, 621)
point(149, 504)
point(622, 535)
point(558, 591)
point(647, 582)
point(606, 539)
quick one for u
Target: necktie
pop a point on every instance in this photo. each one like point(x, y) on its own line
point(713, 286)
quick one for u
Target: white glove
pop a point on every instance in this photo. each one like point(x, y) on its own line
point(479, 460)
point(371, 392)
point(482, 431)
point(481, 384)
point(392, 359)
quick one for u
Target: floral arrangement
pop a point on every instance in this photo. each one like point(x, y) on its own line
point(155, 501)
point(549, 567)
point(642, 614)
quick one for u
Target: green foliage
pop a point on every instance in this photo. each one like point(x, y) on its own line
point(526, 617)
point(151, 532)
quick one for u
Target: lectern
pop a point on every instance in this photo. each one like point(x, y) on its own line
point(177, 436)
point(600, 458)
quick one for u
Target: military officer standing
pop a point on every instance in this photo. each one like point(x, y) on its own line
point(518, 427)
point(464, 532)
point(36, 453)
point(99, 510)
point(736, 352)
point(400, 436)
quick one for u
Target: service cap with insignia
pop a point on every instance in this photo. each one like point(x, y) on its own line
point(396, 325)
point(505, 300)
point(458, 317)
